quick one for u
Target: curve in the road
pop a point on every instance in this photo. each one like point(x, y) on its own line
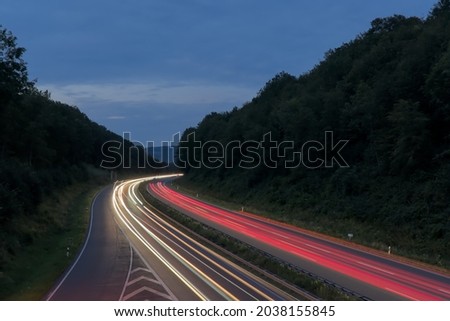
point(99, 270)
point(193, 266)
point(132, 253)
point(396, 280)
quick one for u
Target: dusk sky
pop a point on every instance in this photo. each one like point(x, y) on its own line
point(154, 68)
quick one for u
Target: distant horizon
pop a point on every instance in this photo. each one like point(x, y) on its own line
point(162, 153)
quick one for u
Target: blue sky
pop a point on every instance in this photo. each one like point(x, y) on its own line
point(154, 68)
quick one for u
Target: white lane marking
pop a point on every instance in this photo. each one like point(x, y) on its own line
point(375, 268)
point(194, 269)
point(445, 291)
point(149, 269)
point(165, 225)
point(129, 273)
point(144, 242)
point(139, 269)
point(146, 289)
point(142, 278)
point(402, 294)
point(49, 297)
point(317, 248)
point(82, 250)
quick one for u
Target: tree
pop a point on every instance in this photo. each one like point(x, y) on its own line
point(442, 8)
point(386, 24)
point(409, 132)
point(13, 70)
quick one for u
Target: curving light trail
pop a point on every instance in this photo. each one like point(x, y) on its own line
point(203, 272)
point(384, 273)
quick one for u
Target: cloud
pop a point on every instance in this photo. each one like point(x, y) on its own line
point(150, 93)
point(116, 117)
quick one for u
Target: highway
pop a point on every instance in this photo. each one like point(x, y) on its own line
point(188, 268)
point(133, 253)
point(371, 274)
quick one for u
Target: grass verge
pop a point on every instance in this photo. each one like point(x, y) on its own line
point(64, 217)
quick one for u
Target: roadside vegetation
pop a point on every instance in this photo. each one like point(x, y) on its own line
point(58, 234)
point(386, 95)
point(50, 161)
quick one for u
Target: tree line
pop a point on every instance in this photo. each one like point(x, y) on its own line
point(45, 145)
point(386, 93)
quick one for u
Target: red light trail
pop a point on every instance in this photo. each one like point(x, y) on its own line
point(398, 278)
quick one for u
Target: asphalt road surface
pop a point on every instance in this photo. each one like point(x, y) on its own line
point(132, 253)
point(101, 267)
point(371, 274)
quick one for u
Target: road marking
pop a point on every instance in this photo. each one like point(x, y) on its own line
point(144, 242)
point(157, 277)
point(155, 280)
point(166, 226)
point(445, 291)
point(142, 278)
point(375, 268)
point(402, 294)
point(317, 248)
point(146, 289)
point(82, 250)
point(129, 273)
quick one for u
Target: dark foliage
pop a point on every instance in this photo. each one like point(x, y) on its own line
point(45, 145)
point(387, 93)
